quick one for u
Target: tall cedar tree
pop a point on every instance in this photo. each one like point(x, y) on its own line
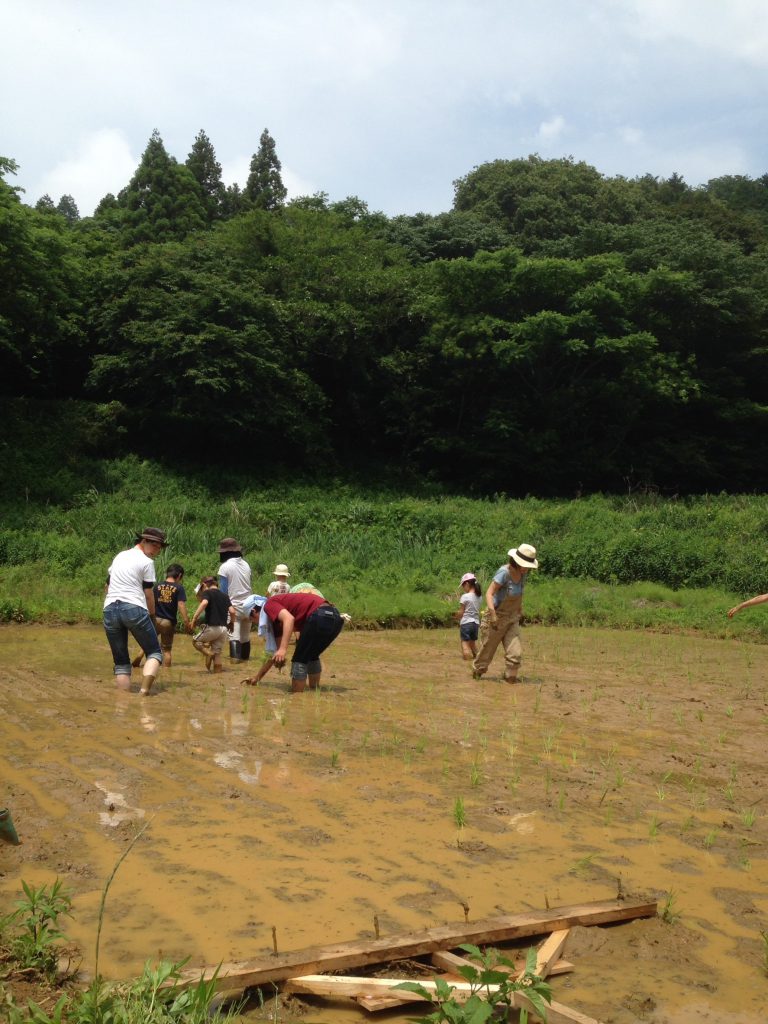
point(206, 170)
point(264, 187)
point(162, 201)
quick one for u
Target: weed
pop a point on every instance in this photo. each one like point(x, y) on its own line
point(37, 916)
point(493, 991)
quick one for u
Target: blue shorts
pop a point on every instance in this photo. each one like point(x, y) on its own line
point(468, 630)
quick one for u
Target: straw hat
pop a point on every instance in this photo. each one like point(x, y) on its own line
point(281, 570)
point(524, 556)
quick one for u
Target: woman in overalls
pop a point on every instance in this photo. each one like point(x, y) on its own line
point(500, 623)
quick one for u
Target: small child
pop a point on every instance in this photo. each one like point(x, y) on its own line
point(170, 600)
point(469, 615)
point(281, 584)
point(219, 614)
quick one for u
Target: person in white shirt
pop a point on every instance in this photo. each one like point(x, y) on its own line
point(469, 615)
point(235, 582)
point(129, 605)
point(280, 584)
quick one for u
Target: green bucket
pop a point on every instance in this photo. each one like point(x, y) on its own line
point(7, 831)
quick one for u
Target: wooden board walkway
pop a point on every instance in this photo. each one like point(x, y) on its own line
point(238, 975)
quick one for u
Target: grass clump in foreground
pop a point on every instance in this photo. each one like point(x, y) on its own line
point(31, 947)
point(393, 559)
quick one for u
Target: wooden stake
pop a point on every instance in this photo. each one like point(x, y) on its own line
point(274, 940)
point(376, 924)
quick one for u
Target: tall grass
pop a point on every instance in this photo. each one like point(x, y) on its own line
point(390, 558)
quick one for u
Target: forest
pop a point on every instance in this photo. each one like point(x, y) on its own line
point(556, 332)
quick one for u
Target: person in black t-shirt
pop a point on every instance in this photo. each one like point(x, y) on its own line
point(218, 613)
point(170, 600)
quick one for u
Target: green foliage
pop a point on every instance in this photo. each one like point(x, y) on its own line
point(264, 187)
point(557, 332)
point(492, 991)
point(162, 201)
point(33, 928)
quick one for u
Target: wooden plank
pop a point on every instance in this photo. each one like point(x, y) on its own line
point(375, 1003)
point(241, 974)
point(339, 986)
point(450, 963)
point(549, 952)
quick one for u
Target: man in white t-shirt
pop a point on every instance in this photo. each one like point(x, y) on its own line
point(129, 603)
point(235, 582)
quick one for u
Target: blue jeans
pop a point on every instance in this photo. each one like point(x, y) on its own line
point(120, 619)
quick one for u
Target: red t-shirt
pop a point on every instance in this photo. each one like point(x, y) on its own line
point(300, 606)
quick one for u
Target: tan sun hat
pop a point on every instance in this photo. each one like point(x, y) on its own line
point(281, 570)
point(524, 556)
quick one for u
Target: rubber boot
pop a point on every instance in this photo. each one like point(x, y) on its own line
point(245, 649)
point(235, 650)
point(7, 831)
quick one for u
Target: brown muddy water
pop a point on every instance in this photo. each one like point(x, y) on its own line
point(636, 757)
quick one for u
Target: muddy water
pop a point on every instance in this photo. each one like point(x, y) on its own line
point(622, 759)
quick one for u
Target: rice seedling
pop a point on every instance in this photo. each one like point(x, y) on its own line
point(459, 818)
point(728, 792)
point(729, 711)
point(661, 794)
point(654, 826)
point(764, 937)
point(709, 839)
point(678, 716)
point(669, 912)
point(700, 714)
point(475, 776)
point(748, 816)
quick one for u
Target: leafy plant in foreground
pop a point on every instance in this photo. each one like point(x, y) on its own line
point(37, 915)
point(492, 991)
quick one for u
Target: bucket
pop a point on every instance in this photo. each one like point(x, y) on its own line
point(7, 831)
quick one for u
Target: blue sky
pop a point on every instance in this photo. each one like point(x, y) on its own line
point(389, 100)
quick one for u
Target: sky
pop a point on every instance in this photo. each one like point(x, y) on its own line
point(387, 100)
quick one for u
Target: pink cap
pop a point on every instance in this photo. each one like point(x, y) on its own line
point(468, 577)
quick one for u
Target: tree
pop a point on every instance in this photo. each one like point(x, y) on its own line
point(206, 171)
point(264, 187)
point(41, 336)
point(45, 204)
point(162, 201)
point(67, 207)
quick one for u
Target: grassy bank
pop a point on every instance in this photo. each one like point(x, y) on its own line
point(391, 559)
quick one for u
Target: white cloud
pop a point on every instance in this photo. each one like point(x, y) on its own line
point(103, 162)
point(552, 129)
point(737, 28)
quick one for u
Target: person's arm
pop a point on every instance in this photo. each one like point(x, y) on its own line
point(223, 584)
point(149, 594)
point(185, 614)
point(760, 599)
point(199, 611)
point(288, 622)
point(490, 593)
point(232, 613)
point(266, 666)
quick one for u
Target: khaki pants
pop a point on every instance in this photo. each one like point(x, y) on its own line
point(166, 630)
point(507, 633)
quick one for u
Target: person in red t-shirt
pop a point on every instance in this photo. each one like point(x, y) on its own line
point(317, 622)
